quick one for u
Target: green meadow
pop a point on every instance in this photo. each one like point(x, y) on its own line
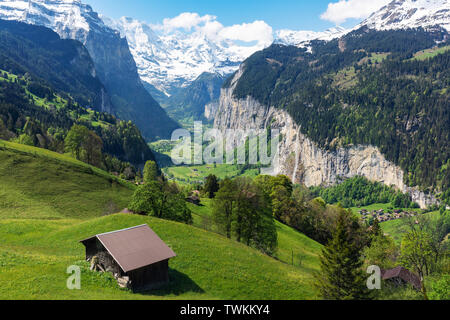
point(50, 201)
point(397, 228)
point(430, 53)
point(192, 174)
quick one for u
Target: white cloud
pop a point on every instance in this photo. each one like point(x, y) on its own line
point(249, 32)
point(339, 12)
point(257, 31)
point(185, 21)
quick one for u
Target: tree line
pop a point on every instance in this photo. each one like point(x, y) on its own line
point(62, 125)
point(359, 191)
point(400, 104)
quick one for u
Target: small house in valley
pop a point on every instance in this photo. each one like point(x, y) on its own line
point(136, 256)
point(400, 276)
point(194, 200)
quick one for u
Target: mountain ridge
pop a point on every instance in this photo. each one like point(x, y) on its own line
point(168, 62)
point(175, 60)
point(114, 63)
point(337, 101)
point(410, 14)
point(47, 85)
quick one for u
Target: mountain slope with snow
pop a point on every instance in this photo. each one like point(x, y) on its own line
point(404, 14)
point(291, 37)
point(176, 59)
point(69, 18)
point(114, 63)
point(166, 60)
point(171, 60)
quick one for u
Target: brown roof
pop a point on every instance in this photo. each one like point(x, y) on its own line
point(403, 274)
point(135, 247)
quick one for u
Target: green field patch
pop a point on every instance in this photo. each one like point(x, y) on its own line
point(397, 228)
point(207, 264)
point(37, 183)
point(294, 248)
point(347, 78)
point(430, 53)
point(197, 174)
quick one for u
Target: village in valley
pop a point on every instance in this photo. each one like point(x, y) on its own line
point(385, 215)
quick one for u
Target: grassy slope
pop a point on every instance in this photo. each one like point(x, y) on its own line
point(347, 78)
point(207, 265)
point(293, 247)
point(396, 228)
point(199, 173)
point(378, 206)
point(430, 53)
point(57, 101)
point(50, 201)
point(37, 183)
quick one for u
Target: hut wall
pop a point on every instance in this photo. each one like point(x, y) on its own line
point(150, 277)
point(95, 248)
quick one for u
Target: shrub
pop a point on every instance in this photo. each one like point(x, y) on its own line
point(161, 200)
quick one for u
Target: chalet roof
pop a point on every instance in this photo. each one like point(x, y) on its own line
point(403, 274)
point(135, 247)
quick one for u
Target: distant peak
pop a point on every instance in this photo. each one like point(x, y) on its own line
point(403, 14)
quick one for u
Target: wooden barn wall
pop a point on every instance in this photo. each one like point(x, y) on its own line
point(95, 248)
point(150, 276)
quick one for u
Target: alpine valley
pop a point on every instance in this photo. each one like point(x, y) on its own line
point(371, 103)
point(90, 106)
point(114, 64)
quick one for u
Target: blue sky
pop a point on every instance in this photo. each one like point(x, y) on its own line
point(280, 14)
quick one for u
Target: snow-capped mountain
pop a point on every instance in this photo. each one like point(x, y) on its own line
point(177, 59)
point(69, 18)
point(403, 14)
point(171, 60)
point(291, 37)
point(114, 63)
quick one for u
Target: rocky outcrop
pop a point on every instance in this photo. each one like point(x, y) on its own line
point(302, 159)
point(211, 110)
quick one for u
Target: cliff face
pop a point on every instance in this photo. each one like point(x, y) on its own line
point(211, 110)
point(117, 70)
point(125, 94)
point(302, 159)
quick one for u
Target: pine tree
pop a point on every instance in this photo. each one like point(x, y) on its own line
point(376, 229)
point(211, 186)
point(341, 276)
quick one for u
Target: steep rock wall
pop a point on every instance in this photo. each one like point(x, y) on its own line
point(302, 159)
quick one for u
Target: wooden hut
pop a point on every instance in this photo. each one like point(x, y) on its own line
point(136, 254)
point(194, 200)
point(400, 276)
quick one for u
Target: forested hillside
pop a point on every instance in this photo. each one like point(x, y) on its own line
point(34, 114)
point(370, 87)
point(64, 64)
point(189, 102)
point(47, 85)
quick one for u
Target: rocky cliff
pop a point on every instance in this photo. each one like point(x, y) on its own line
point(211, 110)
point(302, 159)
point(114, 63)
